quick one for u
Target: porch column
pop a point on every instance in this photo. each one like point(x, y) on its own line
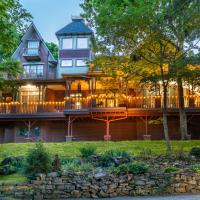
point(69, 135)
point(68, 92)
point(43, 92)
point(107, 137)
point(147, 136)
point(93, 91)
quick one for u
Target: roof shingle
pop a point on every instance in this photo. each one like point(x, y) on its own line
point(76, 27)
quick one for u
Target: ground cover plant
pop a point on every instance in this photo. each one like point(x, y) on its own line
point(135, 157)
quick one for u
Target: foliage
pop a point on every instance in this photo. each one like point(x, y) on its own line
point(196, 168)
point(72, 149)
point(114, 157)
point(13, 21)
point(53, 48)
point(87, 151)
point(170, 170)
point(160, 35)
point(11, 165)
point(38, 161)
point(145, 153)
point(77, 166)
point(134, 168)
point(195, 151)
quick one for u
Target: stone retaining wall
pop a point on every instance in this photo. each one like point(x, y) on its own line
point(102, 185)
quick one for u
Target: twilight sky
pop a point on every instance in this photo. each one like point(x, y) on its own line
point(51, 15)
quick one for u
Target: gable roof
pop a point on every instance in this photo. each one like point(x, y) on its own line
point(76, 27)
point(27, 36)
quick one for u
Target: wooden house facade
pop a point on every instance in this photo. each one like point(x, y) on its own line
point(60, 99)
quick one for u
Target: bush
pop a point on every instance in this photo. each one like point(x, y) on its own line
point(114, 158)
point(170, 170)
point(77, 166)
point(195, 151)
point(134, 168)
point(146, 153)
point(87, 151)
point(11, 165)
point(196, 168)
point(38, 161)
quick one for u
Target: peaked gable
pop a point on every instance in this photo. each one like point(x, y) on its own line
point(32, 33)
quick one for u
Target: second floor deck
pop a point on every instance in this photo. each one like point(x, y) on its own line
point(134, 106)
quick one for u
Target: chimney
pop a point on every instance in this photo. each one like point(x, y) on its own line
point(77, 18)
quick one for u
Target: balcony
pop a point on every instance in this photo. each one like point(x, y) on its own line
point(32, 54)
point(84, 105)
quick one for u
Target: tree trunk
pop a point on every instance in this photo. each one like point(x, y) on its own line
point(165, 121)
point(183, 117)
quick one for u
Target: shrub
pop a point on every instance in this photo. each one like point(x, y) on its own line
point(38, 161)
point(170, 169)
point(195, 151)
point(114, 158)
point(134, 168)
point(196, 168)
point(11, 165)
point(77, 166)
point(146, 153)
point(87, 151)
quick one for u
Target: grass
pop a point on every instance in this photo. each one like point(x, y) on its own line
point(13, 178)
point(71, 149)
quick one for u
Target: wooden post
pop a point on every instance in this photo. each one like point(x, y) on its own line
point(107, 137)
point(69, 130)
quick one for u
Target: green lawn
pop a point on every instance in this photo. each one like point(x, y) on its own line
point(13, 178)
point(72, 148)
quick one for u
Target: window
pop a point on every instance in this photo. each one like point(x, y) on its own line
point(82, 43)
point(34, 71)
point(67, 43)
point(33, 47)
point(23, 132)
point(81, 63)
point(66, 63)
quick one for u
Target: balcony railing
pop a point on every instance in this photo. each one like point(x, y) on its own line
point(78, 103)
point(31, 53)
point(148, 102)
point(36, 76)
point(32, 107)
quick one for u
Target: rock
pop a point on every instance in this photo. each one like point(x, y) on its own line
point(100, 175)
point(52, 174)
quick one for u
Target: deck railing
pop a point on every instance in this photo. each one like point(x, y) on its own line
point(32, 107)
point(150, 102)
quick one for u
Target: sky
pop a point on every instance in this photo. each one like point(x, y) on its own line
point(50, 16)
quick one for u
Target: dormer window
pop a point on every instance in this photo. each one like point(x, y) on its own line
point(82, 43)
point(67, 43)
point(33, 47)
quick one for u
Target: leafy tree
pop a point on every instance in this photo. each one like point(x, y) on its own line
point(13, 19)
point(182, 27)
point(53, 48)
point(133, 29)
point(38, 161)
point(146, 32)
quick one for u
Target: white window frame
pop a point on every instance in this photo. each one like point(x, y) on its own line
point(81, 60)
point(67, 48)
point(66, 65)
point(77, 47)
point(36, 69)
